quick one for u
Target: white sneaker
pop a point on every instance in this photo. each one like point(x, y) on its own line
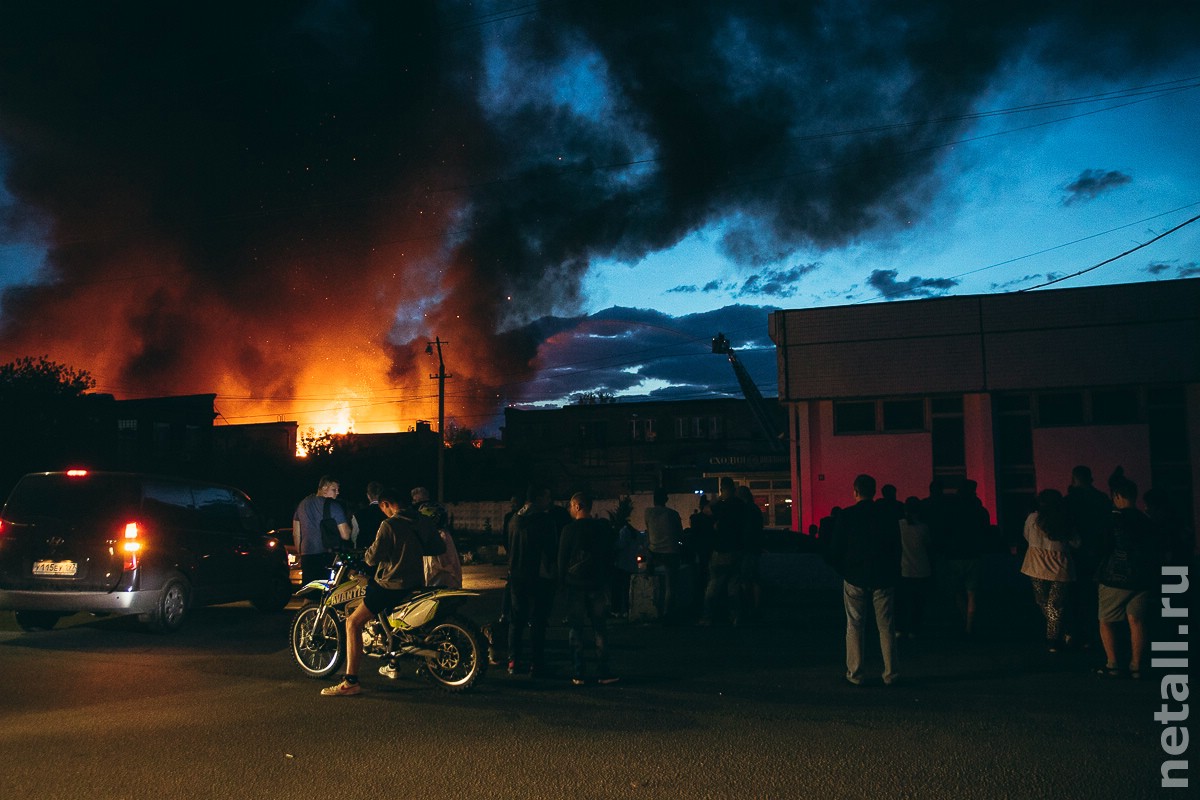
point(388, 671)
point(342, 689)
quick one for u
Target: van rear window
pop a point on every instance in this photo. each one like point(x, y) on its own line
point(71, 499)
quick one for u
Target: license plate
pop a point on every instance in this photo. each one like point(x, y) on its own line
point(66, 568)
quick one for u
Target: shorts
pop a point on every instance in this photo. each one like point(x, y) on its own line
point(379, 598)
point(1117, 604)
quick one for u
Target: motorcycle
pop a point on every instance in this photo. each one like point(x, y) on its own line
point(426, 627)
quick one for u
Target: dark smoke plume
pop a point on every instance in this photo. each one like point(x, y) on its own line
point(283, 199)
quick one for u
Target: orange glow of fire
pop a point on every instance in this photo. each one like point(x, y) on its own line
point(286, 346)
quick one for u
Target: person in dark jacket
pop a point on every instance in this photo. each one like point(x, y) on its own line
point(729, 523)
point(966, 525)
point(585, 551)
point(866, 553)
point(1130, 566)
point(532, 570)
point(365, 522)
point(750, 553)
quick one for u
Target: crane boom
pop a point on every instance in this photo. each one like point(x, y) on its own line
point(754, 398)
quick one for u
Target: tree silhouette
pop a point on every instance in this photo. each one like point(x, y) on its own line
point(32, 380)
point(47, 417)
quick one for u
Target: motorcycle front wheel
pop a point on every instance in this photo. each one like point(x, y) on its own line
point(459, 661)
point(318, 648)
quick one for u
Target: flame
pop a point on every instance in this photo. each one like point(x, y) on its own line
point(310, 352)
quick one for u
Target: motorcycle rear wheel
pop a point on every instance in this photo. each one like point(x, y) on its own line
point(318, 651)
point(460, 660)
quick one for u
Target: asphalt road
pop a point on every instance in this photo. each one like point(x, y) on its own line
point(102, 709)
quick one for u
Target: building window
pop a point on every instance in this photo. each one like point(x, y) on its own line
point(698, 427)
point(946, 405)
point(643, 430)
point(879, 416)
point(1012, 403)
point(1114, 406)
point(1060, 408)
point(854, 417)
point(903, 415)
point(1117, 406)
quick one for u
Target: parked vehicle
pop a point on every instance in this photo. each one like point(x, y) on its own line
point(129, 543)
point(427, 627)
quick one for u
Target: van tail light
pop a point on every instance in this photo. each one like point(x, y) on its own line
point(131, 545)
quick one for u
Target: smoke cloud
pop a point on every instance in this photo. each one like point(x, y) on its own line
point(284, 201)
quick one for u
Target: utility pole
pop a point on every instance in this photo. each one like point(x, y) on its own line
point(441, 379)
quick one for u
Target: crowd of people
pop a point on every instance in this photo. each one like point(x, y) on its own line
point(708, 567)
point(1093, 561)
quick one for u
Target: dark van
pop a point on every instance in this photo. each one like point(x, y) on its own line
point(125, 543)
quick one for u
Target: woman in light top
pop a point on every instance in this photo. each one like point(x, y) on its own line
point(1049, 563)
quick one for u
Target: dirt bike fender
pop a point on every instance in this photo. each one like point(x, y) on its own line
point(313, 589)
point(423, 607)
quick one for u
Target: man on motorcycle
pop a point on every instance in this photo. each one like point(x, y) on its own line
point(399, 569)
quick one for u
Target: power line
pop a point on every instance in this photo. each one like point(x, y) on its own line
point(899, 292)
point(1114, 258)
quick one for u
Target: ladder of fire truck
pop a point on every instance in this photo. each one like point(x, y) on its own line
point(754, 398)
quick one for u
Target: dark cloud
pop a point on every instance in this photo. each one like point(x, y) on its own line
point(1188, 270)
point(781, 283)
point(777, 283)
point(884, 281)
point(259, 198)
point(1092, 183)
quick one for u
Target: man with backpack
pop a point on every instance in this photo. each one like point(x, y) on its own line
point(315, 555)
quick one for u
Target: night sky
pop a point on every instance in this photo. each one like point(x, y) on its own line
point(283, 202)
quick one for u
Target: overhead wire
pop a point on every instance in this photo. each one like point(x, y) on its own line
point(900, 292)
